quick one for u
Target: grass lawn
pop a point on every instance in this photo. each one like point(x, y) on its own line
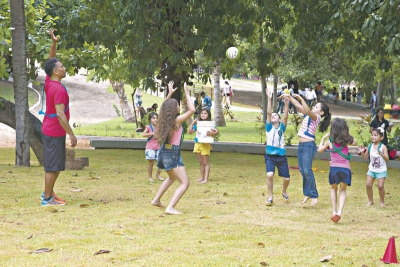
point(224, 222)
point(7, 92)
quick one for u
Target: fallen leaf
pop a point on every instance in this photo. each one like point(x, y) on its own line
point(326, 258)
point(75, 174)
point(42, 250)
point(103, 251)
point(261, 245)
point(29, 237)
point(204, 217)
point(220, 202)
point(263, 263)
point(207, 191)
point(225, 194)
point(3, 181)
point(76, 190)
point(121, 226)
point(84, 205)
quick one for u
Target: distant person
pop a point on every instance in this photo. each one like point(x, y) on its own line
point(359, 95)
point(170, 137)
point(348, 94)
point(340, 171)
point(373, 104)
point(154, 107)
point(138, 103)
point(279, 109)
point(291, 105)
point(226, 94)
point(318, 91)
point(197, 105)
point(310, 97)
point(377, 153)
point(354, 94)
point(343, 94)
point(55, 125)
point(335, 94)
point(205, 101)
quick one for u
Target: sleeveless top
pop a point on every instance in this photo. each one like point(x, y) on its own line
point(309, 127)
point(337, 160)
point(152, 143)
point(176, 136)
point(377, 163)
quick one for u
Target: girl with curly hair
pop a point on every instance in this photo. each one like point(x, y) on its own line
point(170, 136)
point(340, 171)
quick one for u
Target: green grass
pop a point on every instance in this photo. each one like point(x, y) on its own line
point(224, 223)
point(7, 92)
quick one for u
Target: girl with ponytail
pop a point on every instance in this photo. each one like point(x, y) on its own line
point(307, 147)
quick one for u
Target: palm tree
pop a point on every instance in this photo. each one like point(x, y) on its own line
point(218, 114)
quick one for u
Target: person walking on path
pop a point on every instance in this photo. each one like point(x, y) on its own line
point(205, 101)
point(359, 95)
point(170, 137)
point(340, 171)
point(307, 147)
point(203, 150)
point(275, 153)
point(152, 145)
point(55, 125)
point(348, 94)
point(373, 104)
point(318, 91)
point(354, 94)
point(226, 94)
point(377, 169)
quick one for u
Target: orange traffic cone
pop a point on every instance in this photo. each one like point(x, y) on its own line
point(390, 253)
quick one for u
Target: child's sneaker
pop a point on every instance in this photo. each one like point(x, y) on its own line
point(57, 198)
point(51, 202)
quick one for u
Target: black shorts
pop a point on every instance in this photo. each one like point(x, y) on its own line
point(54, 153)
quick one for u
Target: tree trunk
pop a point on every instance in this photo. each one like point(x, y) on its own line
point(395, 90)
point(7, 117)
point(218, 114)
point(126, 111)
point(379, 93)
point(22, 147)
point(264, 98)
point(275, 91)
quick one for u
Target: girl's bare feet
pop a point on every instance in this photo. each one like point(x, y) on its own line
point(160, 178)
point(305, 200)
point(150, 180)
point(157, 204)
point(314, 202)
point(204, 182)
point(370, 203)
point(172, 211)
point(382, 204)
point(199, 180)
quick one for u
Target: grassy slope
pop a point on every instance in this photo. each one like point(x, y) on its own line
point(225, 222)
point(7, 92)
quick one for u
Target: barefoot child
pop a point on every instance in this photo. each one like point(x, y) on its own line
point(152, 146)
point(340, 172)
point(307, 147)
point(203, 150)
point(170, 135)
point(378, 156)
point(275, 153)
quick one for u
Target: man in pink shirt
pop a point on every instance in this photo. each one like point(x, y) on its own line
point(55, 125)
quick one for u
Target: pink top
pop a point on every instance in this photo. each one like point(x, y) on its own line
point(337, 160)
point(55, 94)
point(176, 137)
point(309, 127)
point(153, 142)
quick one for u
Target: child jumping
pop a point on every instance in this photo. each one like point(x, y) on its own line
point(152, 146)
point(378, 156)
point(203, 150)
point(340, 171)
point(307, 147)
point(170, 137)
point(275, 153)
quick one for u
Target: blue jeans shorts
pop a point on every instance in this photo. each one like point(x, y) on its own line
point(169, 158)
point(151, 154)
point(277, 161)
point(339, 175)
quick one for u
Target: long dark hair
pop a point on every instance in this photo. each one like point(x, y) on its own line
point(340, 133)
point(327, 117)
point(376, 112)
point(166, 119)
point(208, 117)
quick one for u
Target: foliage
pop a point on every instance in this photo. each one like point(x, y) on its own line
point(296, 120)
point(228, 112)
point(394, 139)
point(288, 140)
point(117, 110)
point(260, 130)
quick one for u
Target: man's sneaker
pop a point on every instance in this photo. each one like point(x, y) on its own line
point(51, 202)
point(57, 198)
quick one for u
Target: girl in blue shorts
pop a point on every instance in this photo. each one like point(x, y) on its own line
point(170, 137)
point(203, 150)
point(340, 171)
point(275, 153)
point(377, 170)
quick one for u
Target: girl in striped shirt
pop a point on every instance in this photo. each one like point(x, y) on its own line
point(307, 147)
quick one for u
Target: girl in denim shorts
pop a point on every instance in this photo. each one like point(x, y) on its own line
point(377, 170)
point(203, 150)
point(170, 136)
point(152, 146)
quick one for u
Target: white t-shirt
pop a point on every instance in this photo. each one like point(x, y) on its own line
point(227, 89)
point(310, 95)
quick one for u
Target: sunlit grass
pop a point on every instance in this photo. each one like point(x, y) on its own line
point(224, 223)
point(7, 92)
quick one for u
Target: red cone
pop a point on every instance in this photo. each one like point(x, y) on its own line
point(390, 253)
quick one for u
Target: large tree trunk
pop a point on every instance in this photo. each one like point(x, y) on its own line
point(394, 89)
point(379, 94)
point(7, 117)
point(126, 110)
point(22, 147)
point(264, 98)
point(218, 114)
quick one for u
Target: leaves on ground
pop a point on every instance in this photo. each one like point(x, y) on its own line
point(76, 190)
point(103, 251)
point(263, 263)
point(261, 245)
point(29, 237)
point(42, 250)
point(84, 205)
point(326, 258)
